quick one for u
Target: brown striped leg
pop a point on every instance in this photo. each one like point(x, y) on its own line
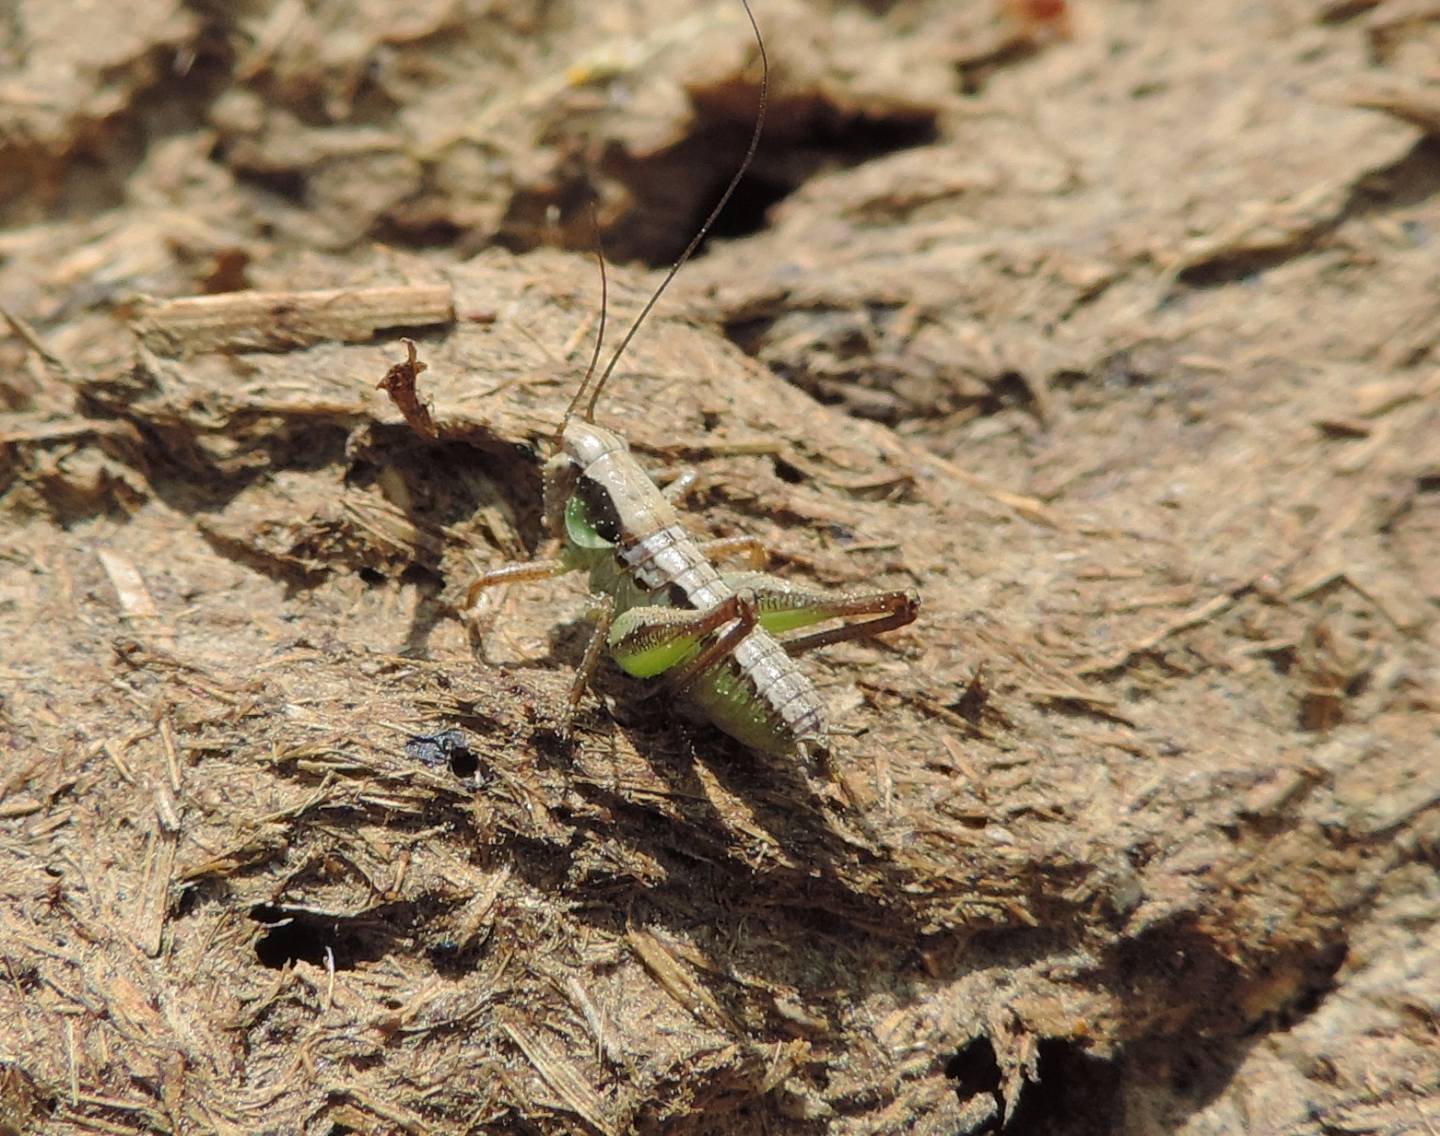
point(894, 609)
point(651, 642)
point(784, 607)
point(742, 610)
point(604, 615)
point(515, 574)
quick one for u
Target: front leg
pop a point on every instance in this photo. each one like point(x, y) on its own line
point(515, 574)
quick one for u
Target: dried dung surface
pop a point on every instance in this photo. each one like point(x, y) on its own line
point(1111, 328)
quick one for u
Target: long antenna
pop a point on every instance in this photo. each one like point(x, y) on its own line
point(699, 235)
point(600, 335)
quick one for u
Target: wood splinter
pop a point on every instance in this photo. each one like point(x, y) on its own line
point(285, 321)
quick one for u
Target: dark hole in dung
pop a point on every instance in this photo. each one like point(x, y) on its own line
point(805, 135)
point(448, 747)
point(745, 212)
point(787, 472)
point(295, 935)
point(290, 938)
point(975, 1070)
point(1076, 1094)
point(288, 185)
point(464, 763)
point(422, 576)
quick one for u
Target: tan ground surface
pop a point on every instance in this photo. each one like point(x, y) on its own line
point(1115, 333)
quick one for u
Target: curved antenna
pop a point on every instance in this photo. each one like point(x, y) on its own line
point(703, 230)
point(600, 335)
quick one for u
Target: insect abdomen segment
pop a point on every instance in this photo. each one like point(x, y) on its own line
point(761, 698)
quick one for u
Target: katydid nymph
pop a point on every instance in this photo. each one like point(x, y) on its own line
point(664, 612)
